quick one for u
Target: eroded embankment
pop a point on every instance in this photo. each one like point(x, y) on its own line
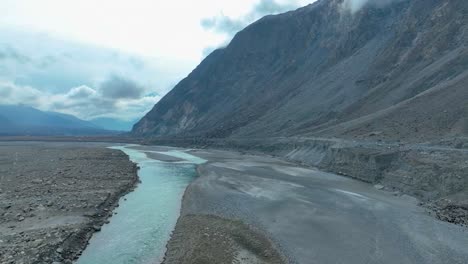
point(435, 175)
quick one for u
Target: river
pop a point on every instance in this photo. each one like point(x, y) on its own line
point(143, 222)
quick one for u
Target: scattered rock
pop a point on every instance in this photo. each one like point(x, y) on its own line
point(37, 181)
point(379, 186)
point(38, 242)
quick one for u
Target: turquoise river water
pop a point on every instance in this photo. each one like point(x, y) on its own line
point(145, 218)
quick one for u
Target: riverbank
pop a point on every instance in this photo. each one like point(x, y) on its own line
point(202, 239)
point(210, 239)
point(433, 172)
point(147, 216)
point(54, 196)
point(307, 215)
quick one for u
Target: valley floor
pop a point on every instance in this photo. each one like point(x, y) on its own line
point(252, 209)
point(309, 215)
point(54, 196)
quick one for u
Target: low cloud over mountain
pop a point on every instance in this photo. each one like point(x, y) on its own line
point(83, 80)
point(117, 87)
point(229, 26)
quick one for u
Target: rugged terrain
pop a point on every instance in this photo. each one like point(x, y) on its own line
point(54, 196)
point(377, 94)
point(396, 70)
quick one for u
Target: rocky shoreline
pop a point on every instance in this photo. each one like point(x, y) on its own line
point(54, 196)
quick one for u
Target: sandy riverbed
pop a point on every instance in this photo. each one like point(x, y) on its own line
point(309, 216)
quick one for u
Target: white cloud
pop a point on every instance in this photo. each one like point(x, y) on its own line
point(159, 28)
point(229, 25)
point(12, 94)
point(56, 65)
point(78, 79)
point(156, 28)
point(82, 101)
point(149, 44)
point(81, 92)
point(353, 5)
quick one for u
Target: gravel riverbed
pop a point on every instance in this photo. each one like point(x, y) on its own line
point(54, 196)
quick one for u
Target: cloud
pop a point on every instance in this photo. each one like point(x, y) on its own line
point(13, 94)
point(5, 91)
point(207, 51)
point(89, 103)
point(81, 92)
point(83, 80)
point(117, 87)
point(223, 24)
point(229, 26)
point(272, 7)
point(51, 64)
point(83, 101)
point(9, 53)
point(355, 5)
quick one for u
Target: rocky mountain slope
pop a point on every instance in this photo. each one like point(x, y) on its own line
point(23, 120)
point(393, 69)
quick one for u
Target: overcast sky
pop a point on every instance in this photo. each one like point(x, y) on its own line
point(112, 58)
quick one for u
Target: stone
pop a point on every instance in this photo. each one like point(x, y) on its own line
point(379, 186)
point(37, 181)
point(37, 242)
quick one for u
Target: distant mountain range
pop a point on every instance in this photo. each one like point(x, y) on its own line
point(24, 120)
point(114, 124)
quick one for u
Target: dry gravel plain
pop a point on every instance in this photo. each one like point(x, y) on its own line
point(54, 196)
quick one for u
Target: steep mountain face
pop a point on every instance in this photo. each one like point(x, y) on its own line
point(24, 120)
point(396, 69)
